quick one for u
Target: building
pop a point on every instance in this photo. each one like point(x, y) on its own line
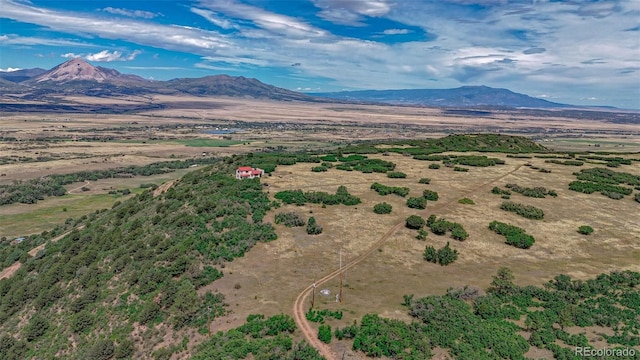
point(247, 172)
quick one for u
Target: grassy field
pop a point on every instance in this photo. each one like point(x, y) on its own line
point(18, 219)
point(377, 284)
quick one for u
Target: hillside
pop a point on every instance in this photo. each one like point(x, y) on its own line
point(137, 264)
point(466, 96)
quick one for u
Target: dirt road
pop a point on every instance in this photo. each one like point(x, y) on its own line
point(300, 305)
point(10, 270)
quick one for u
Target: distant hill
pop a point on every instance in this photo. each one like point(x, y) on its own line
point(77, 76)
point(466, 96)
point(21, 75)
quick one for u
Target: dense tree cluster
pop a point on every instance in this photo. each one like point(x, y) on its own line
point(515, 236)
point(470, 326)
point(386, 190)
point(443, 256)
point(605, 181)
point(527, 211)
point(259, 337)
point(298, 197)
point(158, 251)
point(468, 160)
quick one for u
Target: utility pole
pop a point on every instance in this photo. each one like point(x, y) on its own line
point(209, 321)
point(340, 294)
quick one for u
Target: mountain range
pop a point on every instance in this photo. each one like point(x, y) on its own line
point(77, 77)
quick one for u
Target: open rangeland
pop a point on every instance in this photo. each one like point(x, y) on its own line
point(269, 277)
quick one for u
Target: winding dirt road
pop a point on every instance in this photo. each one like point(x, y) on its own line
point(299, 306)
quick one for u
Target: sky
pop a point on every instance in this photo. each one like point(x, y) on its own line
point(580, 52)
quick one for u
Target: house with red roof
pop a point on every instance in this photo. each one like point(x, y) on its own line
point(247, 172)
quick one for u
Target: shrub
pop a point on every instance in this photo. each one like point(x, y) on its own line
point(496, 190)
point(443, 256)
point(382, 208)
point(637, 197)
point(515, 236)
point(441, 226)
point(319, 168)
point(446, 255)
point(459, 233)
point(414, 222)
point(527, 211)
point(312, 227)
point(324, 333)
point(386, 190)
point(430, 254)
point(466, 201)
point(461, 169)
point(430, 195)
point(422, 234)
point(289, 219)
point(396, 175)
point(417, 202)
point(434, 166)
point(585, 230)
point(424, 180)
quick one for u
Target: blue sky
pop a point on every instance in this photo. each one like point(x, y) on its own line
point(578, 52)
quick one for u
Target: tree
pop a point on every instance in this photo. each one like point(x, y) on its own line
point(446, 255)
point(417, 203)
point(502, 283)
point(382, 208)
point(38, 325)
point(414, 222)
point(312, 227)
point(324, 333)
point(186, 304)
point(430, 254)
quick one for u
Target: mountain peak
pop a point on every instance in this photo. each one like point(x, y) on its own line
point(77, 69)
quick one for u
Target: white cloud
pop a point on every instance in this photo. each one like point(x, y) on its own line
point(396, 31)
point(13, 39)
point(213, 18)
point(104, 56)
point(351, 12)
point(10, 69)
point(130, 13)
point(274, 24)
